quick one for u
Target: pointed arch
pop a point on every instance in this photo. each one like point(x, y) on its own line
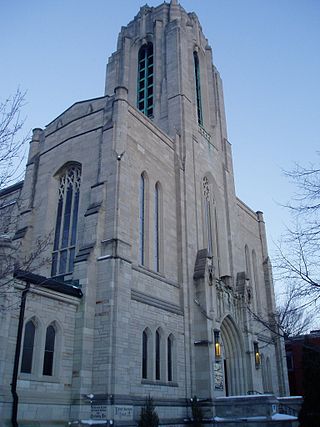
point(158, 235)
point(143, 217)
point(28, 347)
point(158, 345)
point(171, 357)
point(69, 177)
point(233, 353)
point(145, 79)
point(49, 350)
point(146, 354)
point(198, 87)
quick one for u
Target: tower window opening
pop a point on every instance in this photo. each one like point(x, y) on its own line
point(198, 88)
point(145, 80)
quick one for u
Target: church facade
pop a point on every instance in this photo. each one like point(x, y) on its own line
point(150, 274)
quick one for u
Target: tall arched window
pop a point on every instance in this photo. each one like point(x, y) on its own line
point(144, 354)
point(256, 280)
point(66, 222)
point(49, 351)
point(207, 215)
point(170, 358)
point(145, 80)
point(142, 212)
point(28, 345)
point(248, 264)
point(198, 87)
point(158, 355)
point(157, 226)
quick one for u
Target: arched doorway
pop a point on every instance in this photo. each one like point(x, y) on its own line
point(233, 358)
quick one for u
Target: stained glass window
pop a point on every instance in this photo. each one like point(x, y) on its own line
point(66, 222)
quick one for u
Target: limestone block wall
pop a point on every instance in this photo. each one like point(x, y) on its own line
point(41, 396)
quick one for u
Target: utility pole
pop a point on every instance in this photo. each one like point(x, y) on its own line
point(17, 357)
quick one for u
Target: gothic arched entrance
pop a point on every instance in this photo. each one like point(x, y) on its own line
point(233, 358)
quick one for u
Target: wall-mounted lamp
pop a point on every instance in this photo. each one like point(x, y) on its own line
point(257, 355)
point(217, 345)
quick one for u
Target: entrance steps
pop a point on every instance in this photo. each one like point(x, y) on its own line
point(263, 410)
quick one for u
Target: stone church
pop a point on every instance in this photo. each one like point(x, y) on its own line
point(139, 271)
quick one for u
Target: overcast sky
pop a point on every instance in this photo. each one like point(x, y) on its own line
point(267, 52)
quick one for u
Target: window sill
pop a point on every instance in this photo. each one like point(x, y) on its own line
point(159, 276)
point(42, 379)
point(159, 383)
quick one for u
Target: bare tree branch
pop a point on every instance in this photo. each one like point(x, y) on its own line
point(12, 145)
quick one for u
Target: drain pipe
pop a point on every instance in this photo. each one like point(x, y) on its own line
point(17, 358)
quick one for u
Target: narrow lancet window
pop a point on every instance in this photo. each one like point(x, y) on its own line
point(158, 349)
point(28, 344)
point(49, 351)
point(144, 355)
point(66, 222)
point(198, 87)
point(170, 350)
point(157, 227)
point(142, 221)
point(145, 80)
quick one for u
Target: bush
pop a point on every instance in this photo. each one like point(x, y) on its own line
point(197, 414)
point(148, 414)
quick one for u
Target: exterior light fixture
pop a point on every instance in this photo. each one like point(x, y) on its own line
point(217, 345)
point(257, 355)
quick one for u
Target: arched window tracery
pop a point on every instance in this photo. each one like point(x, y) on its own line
point(66, 220)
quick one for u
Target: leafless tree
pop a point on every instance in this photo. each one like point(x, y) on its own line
point(11, 143)
point(293, 316)
point(12, 151)
point(298, 261)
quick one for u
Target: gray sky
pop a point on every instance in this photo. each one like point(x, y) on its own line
point(267, 52)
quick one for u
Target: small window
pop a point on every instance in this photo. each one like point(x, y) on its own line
point(28, 345)
point(170, 357)
point(158, 357)
point(145, 80)
point(145, 355)
point(49, 351)
point(290, 361)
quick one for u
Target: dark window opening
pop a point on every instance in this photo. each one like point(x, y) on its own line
point(198, 87)
point(157, 355)
point(28, 344)
point(144, 355)
point(170, 358)
point(145, 80)
point(49, 351)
